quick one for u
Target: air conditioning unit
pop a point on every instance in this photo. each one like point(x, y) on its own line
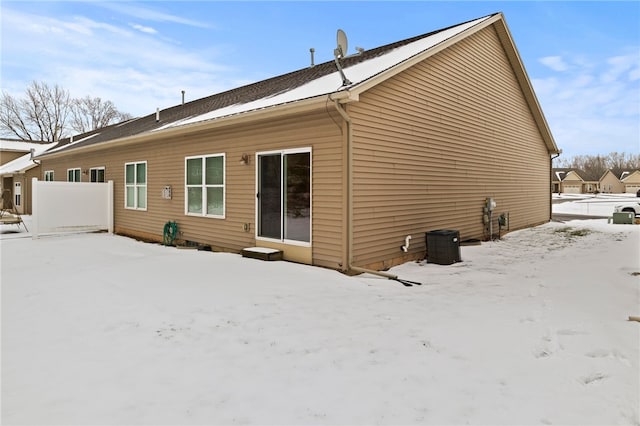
point(443, 246)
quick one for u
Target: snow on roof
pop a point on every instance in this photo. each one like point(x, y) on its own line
point(332, 83)
point(19, 145)
point(73, 143)
point(24, 163)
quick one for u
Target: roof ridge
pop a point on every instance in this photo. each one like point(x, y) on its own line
point(327, 67)
point(251, 95)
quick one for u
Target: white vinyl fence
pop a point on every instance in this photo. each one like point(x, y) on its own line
point(71, 207)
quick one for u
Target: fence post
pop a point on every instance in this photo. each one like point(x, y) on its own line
point(110, 206)
point(35, 214)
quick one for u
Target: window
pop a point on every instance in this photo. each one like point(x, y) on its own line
point(73, 175)
point(284, 195)
point(135, 185)
point(205, 186)
point(97, 174)
point(48, 175)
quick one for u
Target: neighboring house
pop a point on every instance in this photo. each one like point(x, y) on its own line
point(557, 176)
point(631, 181)
point(591, 183)
point(336, 171)
point(17, 168)
point(610, 183)
point(572, 183)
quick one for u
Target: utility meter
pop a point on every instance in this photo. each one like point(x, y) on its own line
point(491, 204)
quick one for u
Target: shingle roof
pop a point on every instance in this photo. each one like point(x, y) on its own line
point(265, 89)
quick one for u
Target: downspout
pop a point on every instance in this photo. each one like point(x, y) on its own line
point(350, 266)
point(32, 156)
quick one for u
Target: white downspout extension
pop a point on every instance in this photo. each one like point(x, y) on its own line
point(350, 266)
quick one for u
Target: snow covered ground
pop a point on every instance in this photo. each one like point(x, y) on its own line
point(590, 205)
point(531, 329)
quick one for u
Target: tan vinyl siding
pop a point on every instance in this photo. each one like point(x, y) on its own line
point(6, 156)
point(611, 184)
point(431, 143)
point(165, 167)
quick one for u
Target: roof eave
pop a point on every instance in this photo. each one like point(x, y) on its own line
point(19, 171)
point(275, 111)
point(525, 84)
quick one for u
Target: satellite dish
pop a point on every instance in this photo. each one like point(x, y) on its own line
point(342, 43)
point(340, 52)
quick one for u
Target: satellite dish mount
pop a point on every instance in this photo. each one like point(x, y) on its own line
point(340, 52)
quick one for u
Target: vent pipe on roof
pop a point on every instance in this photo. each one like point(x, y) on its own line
point(183, 97)
point(312, 50)
point(157, 114)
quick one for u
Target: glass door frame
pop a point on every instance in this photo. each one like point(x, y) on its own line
point(283, 153)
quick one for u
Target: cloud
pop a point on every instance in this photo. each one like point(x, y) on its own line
point(624, 65)
point(554, 62)
point(143, 29)
point(122, 64)
point(148, 14)
point(593, 105)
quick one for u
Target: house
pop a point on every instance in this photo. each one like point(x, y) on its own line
point(557, 176)
point(337, 167)
point(610, 183)
point(572, 182)
point(17, 167)
point(575, 181)
point(631, 181)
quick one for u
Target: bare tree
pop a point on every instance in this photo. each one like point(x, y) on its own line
point(618, 162)
point(40, 115)
point(45, 111)
point(93, 113)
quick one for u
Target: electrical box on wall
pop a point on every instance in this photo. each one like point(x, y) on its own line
point(166, 192)
point(490, 204)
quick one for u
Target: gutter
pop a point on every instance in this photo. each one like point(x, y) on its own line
point(350, 266)
point(174, 128)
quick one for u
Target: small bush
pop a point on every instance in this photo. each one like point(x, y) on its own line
point(580, 232)
point(571, 232)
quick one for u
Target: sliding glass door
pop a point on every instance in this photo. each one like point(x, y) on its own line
point(284, 195)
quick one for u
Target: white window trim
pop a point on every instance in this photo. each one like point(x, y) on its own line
point(284, 152)
point(136, 185)
point(204, 186)
point(98, 168)
point(48, 173)
point(79, 174)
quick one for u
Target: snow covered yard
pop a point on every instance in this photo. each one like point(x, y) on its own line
point(531, 329)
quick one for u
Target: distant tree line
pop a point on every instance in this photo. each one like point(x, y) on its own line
point(596, 165)
point(49, 113)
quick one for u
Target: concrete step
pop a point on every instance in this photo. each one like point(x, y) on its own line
point(262, 253)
